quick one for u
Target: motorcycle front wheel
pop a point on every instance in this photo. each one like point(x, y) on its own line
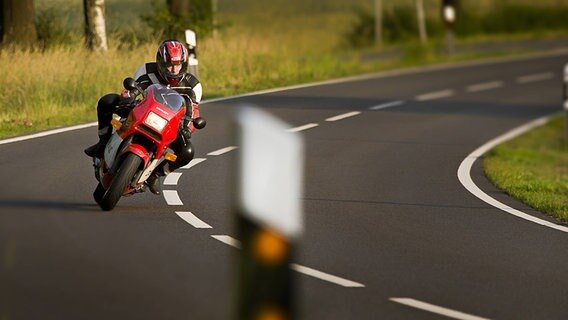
point(122, 178)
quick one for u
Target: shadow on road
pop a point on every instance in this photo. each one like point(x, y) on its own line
point(19, 205)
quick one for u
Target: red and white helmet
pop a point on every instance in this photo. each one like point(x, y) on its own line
point(169, 53)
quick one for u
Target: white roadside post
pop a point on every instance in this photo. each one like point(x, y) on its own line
point(191, 41)
point(449, 17)
point(566, 100)
point(269, 214)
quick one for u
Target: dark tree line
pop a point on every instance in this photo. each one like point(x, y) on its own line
point(17, 20)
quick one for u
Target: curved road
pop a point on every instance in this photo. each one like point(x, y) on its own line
point(390, 232)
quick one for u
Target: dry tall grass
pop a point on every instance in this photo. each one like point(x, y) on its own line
point(264, 44)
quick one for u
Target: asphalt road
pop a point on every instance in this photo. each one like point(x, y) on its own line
point(388, 225)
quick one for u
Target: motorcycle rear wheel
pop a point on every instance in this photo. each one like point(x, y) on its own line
point(123, 177)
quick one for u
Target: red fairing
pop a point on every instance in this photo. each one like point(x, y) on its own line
point(169, 134)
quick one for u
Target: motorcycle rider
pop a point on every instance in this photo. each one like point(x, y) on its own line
point(170, 68)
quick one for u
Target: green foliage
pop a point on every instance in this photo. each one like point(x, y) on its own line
point(400, 22)
point(534, 168)
point(512, 18)
point(162, 22)
point(52, 27)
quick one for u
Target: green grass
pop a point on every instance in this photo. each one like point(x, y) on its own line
point(534, 168)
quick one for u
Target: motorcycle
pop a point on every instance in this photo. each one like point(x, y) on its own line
point(140, 141)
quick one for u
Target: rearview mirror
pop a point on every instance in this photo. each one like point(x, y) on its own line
point(199, 123)
point(130, 84)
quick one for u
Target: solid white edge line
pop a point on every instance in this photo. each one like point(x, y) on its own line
point(435, 95)
point(304, 127)
point(193, 162)
point(222, 151)
point(387, 105)
point(172, 198)
point(343, 116)
point(484, 86)
point(464, 174)
point(298, 268)
point(535, 77)
point(436, 309)
point(193, 220)
point(47, 133)
point(172, 179)
point(325, 276)
point(402, 72)
point(228, 240)
point(379, 75)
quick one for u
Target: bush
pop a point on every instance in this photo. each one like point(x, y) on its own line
point(52, 28)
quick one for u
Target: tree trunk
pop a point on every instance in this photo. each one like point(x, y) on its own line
point(18, 23)
point(95, 28)
point(421, 21)
point(379, 23)
point(179, 7)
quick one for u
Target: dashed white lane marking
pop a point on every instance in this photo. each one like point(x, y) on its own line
point(435, 95)
point(343, 116)
point(193, 220)
point(325, 276)
point(172, 198)
point(194, 162)
point(222, 151)
point(172, 179)
point(464, 174)
point(436, 309)
point(485, 86)
point(228, 240)
point(387, 105)
point(535, 77)
point(299, 268)
point(304, 127)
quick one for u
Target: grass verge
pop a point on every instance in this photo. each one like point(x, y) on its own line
point(534, 168)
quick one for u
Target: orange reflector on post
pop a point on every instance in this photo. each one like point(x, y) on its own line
point(170, 157)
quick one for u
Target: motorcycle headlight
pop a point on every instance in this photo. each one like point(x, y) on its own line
point(155, 122)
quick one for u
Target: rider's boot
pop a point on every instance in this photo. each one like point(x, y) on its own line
point(97, 150)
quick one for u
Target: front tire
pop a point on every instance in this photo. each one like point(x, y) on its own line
point(123, 177)
point(99, 193)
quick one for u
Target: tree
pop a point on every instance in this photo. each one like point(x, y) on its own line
point(18, 23)
point(179, 7)
point(421, 21)
point(95, 28)
point(171, 17)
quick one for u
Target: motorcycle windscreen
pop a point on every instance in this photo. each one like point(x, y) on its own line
point(167, 97)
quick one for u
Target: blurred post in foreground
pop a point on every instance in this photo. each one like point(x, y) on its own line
point(269, 214)
point(565, 99)
point(449, 17)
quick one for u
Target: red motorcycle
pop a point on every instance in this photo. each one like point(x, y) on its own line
point(140, 142)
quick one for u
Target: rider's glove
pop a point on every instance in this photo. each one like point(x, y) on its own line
point(194, 115)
